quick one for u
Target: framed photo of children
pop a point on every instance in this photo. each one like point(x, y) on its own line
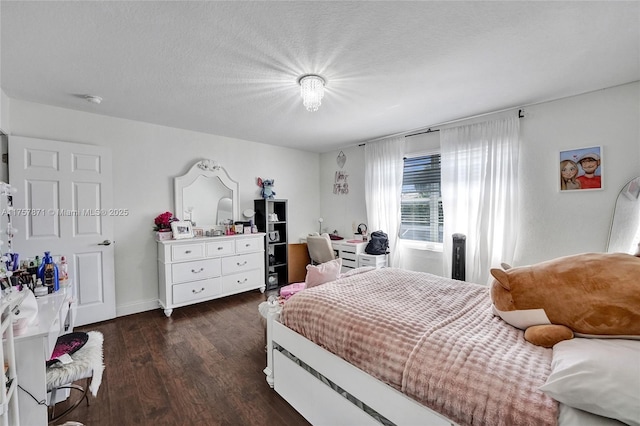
point(581, 169)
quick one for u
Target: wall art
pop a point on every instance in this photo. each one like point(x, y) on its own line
point(581, 169)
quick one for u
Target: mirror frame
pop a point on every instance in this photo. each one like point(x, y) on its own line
point(208, 169)
point(628, 193)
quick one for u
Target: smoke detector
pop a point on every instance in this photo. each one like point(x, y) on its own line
point(93, 99)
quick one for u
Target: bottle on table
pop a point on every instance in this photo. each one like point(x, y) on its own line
point(48, 273)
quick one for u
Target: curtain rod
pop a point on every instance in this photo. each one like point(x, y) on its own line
point(430, 130)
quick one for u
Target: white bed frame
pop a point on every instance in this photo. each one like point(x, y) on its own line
point(318, 402)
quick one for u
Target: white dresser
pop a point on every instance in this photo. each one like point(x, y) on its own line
point(200, 269)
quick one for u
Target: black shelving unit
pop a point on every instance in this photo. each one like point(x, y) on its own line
point(276, 241)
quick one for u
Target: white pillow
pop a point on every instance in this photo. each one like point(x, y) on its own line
point(323, 273)
point(573, 416)
point(601, 376)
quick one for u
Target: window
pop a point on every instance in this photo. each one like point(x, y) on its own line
point(421, 206)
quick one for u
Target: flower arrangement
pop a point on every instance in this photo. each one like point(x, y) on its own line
point(163, 221)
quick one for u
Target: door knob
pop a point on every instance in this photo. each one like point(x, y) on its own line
point(105, 243)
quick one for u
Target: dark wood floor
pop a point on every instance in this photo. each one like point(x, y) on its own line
point(201, 366)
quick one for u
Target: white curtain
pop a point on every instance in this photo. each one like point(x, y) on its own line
point(480, 193)
point(383, 189)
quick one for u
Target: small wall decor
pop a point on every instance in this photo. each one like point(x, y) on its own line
point(341, 159)
point(581, 169)
point(340, 185)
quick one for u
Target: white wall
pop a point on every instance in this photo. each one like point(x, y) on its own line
point(4, 128)
point(557, 224)
point(146, 157)
point(4, 112)
point(342, 212)
point(552, 223)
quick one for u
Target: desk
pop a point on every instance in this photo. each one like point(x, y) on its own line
point(298, 261)
point(348, 252)
point(33, 348)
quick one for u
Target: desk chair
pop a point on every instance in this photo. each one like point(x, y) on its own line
point(320, 249)
point(87, 365)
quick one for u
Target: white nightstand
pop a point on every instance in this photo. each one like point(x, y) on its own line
point(375, 260)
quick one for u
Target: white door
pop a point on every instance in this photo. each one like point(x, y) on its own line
point(63, 206)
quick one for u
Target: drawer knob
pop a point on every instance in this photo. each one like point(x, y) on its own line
point(242, 282)
point(220, 248)
point(241, 264)
point(247, 245)
point(187, 251)
point(198, 271)
point(194, 291)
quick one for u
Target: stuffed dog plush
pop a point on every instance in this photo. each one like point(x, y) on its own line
point(588, 295)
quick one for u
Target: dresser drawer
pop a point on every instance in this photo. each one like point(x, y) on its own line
point(196, 270)
point(243, 262)
point(242, 281)
point(187, 252)
point(375, 260)
point(196, 290)
point(247, 245)
point(349, 263)
point(220, 248)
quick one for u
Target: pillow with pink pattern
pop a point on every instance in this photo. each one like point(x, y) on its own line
point(323, 273)
point(67, 344)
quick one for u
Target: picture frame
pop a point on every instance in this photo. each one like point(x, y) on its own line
point(198, 232)
point(581, 169)
point(182, 229)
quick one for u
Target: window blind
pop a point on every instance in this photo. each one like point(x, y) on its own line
point(421, 209)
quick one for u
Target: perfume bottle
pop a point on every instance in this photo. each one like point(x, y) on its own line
point(63, 270)
point(48, 273)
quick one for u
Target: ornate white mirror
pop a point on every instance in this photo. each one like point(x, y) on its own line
point(624, 234)
point(206, 195)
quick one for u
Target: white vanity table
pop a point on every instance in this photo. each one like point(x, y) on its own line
point(56, 314)
point(200, 269)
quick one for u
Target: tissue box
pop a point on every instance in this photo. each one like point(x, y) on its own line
point(164, 236)
point(291, 289)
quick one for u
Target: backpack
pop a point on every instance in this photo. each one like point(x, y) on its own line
point(378, 244)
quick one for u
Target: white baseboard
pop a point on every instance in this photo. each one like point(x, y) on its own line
point(137, 307)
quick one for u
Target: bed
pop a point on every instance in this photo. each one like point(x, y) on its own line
point(391, 346)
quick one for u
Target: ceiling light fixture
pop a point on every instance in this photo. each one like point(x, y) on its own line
point(93, 99)
point(312, 91)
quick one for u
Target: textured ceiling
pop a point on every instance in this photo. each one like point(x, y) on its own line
point(230, 68)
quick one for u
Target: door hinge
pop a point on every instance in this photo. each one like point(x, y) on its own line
point(5, 158)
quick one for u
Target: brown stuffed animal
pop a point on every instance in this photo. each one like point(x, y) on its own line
point(594, 294)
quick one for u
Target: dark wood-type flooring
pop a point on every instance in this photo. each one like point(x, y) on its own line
point(201, 366)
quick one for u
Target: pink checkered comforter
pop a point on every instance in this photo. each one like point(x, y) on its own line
point(433, 339)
